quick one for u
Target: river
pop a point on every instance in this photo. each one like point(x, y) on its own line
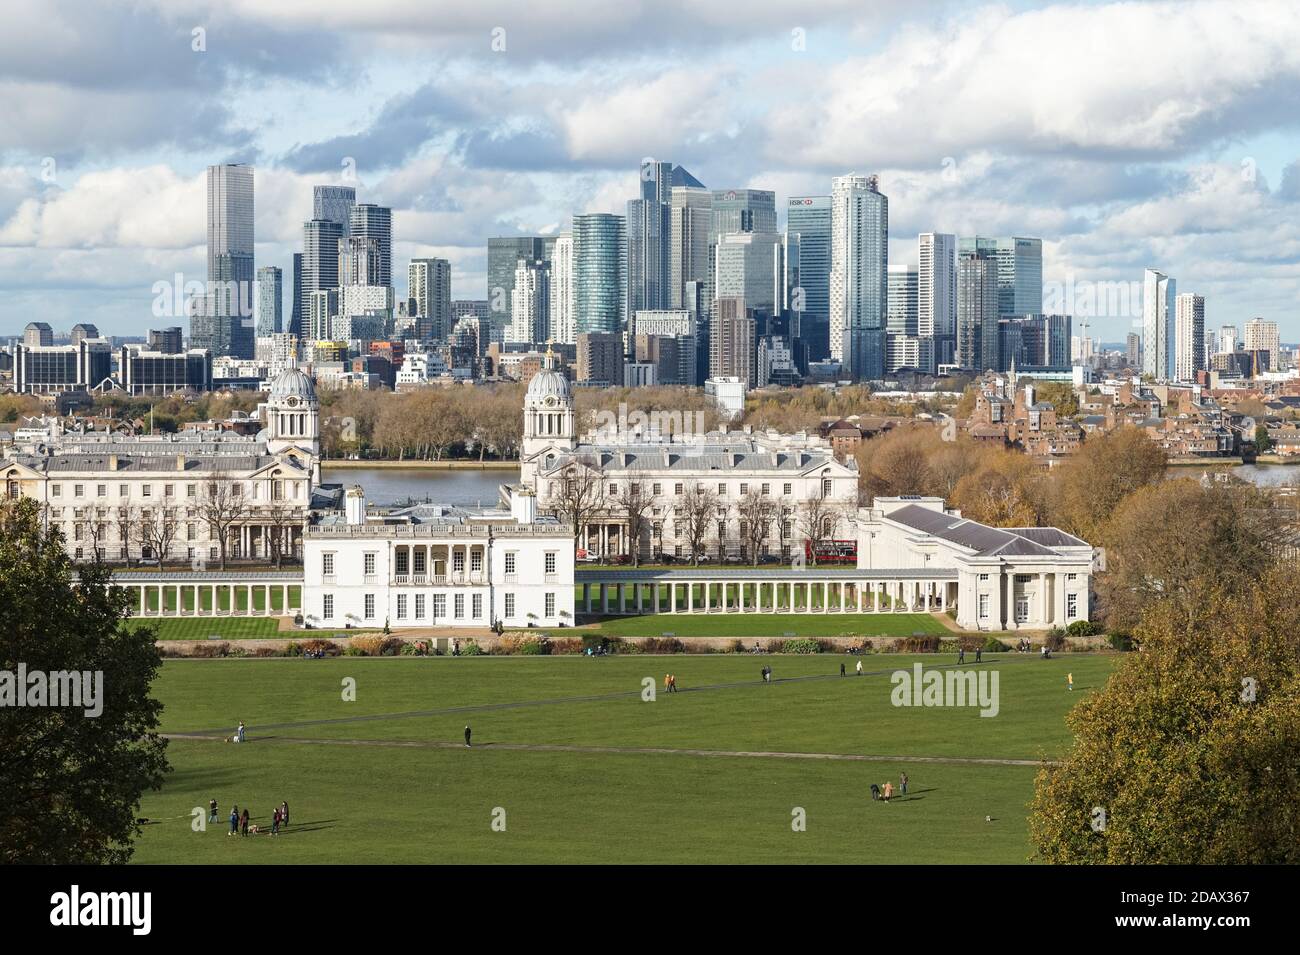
point(398, 485)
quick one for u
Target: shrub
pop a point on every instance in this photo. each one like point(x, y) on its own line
point(924, 644)
point(1055, 639)
point(969, 644)
point(391, 647)
point(535, 647)
point(737, 646)
point(352, 650)
point(370, 645)
point(211, 649)
point(566, 645)
point(315, 646)
point(993, 645)
point(662, 645)
point(1121, 641)
point(266, 652)
point(471, 649)
point(1083, 628)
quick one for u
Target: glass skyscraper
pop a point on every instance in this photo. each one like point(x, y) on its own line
point(222, 320)
point(810, 218)
point(1020, 271)
point(599, 263)
point(859, 287)
point(376, 223)
point(335, 204)
point(270, 300)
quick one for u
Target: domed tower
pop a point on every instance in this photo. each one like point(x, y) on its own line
point(293, 413)
point(549, 423)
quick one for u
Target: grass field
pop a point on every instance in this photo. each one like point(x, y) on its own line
point(771, 625)
point(200, 628)
point(586, 771)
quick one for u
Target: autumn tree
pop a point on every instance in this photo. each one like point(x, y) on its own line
point(1106, 469)
point(819, 518)
point(1190, 753)
point(1005, 490)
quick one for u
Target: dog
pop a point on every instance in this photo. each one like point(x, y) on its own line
point(253, 830)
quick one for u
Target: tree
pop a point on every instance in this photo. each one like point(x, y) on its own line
point(222, 505)
point(1006, 490)
point(71, 782)
point(698, 510)
point(1106, 469)
point(1164, 537)
point(819, 517)
point(757, 511)
point(281, 518)
point(578, 495)
point(633, 506)
point(157, 530)
point(1190, 754)
point(1262, 441)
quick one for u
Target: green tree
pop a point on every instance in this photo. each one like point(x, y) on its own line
point(1262, 441)
point(71, 782)
point(1190, 754)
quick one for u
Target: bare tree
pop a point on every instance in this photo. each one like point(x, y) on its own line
point(577, 495)
point(633, 506)
point(222, 505)
point(95, 528)
point(127, 517)
point(819, 517)
point(699, 509)
point(786, 512)
point(281, 517)
point(757, 512)
point(157, 531)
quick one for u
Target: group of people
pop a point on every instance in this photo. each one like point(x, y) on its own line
point(886, 792)
point(844, 672)
point(961, 654)
point(239, 824)
point(670, 683)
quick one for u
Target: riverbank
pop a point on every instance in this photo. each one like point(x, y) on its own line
point(333, 464)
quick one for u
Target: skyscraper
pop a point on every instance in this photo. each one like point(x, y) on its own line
point(649, 236)
point(977, 310)
point(936, 292)
point(295, 315)
point(1262, 336)
point(561, 303)
point(1133, 350)
point(428, 293)
point(750, 266)
point(810, 218)
point(270, 300)
point(376, 223)
point(223, 319)
point(859, 287)
point(335, 204)
point(1189, 336)
point(530, 302)
point(691, 218)
point(504, 253)
point(320, 273)
point(1158, 310)
point(902, 316)
point(599, 257)
point(1020, 271)
point(736, 210)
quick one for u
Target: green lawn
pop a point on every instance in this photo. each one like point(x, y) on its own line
point(386, 779)
point(771, 625)
point(223, 598)
point(200, 628)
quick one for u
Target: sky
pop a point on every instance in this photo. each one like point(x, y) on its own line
point(1125, 135)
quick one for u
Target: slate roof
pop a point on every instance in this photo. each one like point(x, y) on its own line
point(737, 456)
point(985, 541)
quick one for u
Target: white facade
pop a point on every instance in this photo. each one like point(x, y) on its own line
point(1007, 578)
point(561, 305)
point(1158, 309)
point(437, 565)
point(1189, 336)
point(1262, 336)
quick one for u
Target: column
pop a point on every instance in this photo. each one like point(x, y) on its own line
point(587, 595)
point(875, 597)
point(672, 596)
point(604, 598)
point(1044, 609)
point(656, 596)
point(1058, 594)
point(943, 596)
point(622, 597)
point(284, 599)
point(266, 601)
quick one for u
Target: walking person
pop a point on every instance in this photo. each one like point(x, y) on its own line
point(284, 813)
point(961, 654)
point(234, 820)
point(275, 821)
point(243, 823)
point(1069, 679)
point(979, 654)
point(842, 669)
point(239, 733)
point(889, 791)
point(668, 681)
point(902, 783)
point(212, 810)
point(467, 734)
point(859, 668)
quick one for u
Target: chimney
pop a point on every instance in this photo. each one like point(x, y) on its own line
point(523, 506)
point(354, 505)
point(112, 462)
point(180, 462)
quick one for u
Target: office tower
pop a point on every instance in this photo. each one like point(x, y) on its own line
point(902, 317)
point(750, 266)
point(1020, 271)
point(504, 253)
point(599, 258)
point(977, 310)
point(1133, 351)
point(334, 203)
point(322, 307)
point(649, 239)
point(1189, 336)
point(810, 218)
point(859, 276)
point(936, 292)
point(320, 256)
point(731, 211)
point(666, 336)
point(530, 302)
point(691, 218)
point(428, 292)
point(295, 314)
point(270, 292)
point(1158, 294)
point(1227, 339)
point(375, 223)
point(733, 340)
point(38, 335)
point(166, 340)
point(1263, 336)
point(222, 321)
point(600, 358)
point(81, 331)
point(560, 320)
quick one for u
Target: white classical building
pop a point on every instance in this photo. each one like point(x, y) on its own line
point(660, 457)
point(151, 497)
point(1008, 578)
point(438, 565)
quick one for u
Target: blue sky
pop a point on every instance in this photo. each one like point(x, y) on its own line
point(1125, 135)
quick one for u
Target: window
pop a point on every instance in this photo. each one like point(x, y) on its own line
point(657, 489)
point(984, 606)
point(767, 488)
point(458, 561)
point(550, 605)
point(189, 490)
point(56, 490)
point(1071, 606)
point(476, 561)
point(101, 490)
point(370, 606)
point(440, 605)
point(145, 489)
point(369, 563)
point(327, 564)
point(613, 490)
point(826, 487)
point(722, 489)
point(402, 561)
point(401, 606)
point(1071, 576)
point(458, 606)
point(476, 605)
point(419, 606)
point(983, 577)
point(124, 490)
point(327, 608)
point(419, 561)
point(169, 490)
point(744, 488)
point(788, 489)
point(550, 562)
point(510, 605)
point(77, 490)
point(511, 560)
point(677, 489)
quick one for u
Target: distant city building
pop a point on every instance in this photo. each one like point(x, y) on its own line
point(600, 358)
point(649, 239)
point(530, 302)
point(1133, 351)
point(691, 218)
point(903, 317)
point(144, 372)
point(859, 276)
point(1189, 336)
point(334, 203)
point(428, 290)
point(1158, 310)
point(1263, 336)
point(222, 319)
point(375, 223)
point(296, 312)
point(169, 341)
point(936, 293)
point(270, 300)
point(599, 259)
point(1019, 271)
point(562, 304)
point(38, 334)
point(977, 310)
point(733, 341)
point(51, 369)
point(81, 331)
point(504, 253)
point(809, 217)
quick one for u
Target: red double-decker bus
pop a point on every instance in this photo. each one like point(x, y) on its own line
point(831, 552)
